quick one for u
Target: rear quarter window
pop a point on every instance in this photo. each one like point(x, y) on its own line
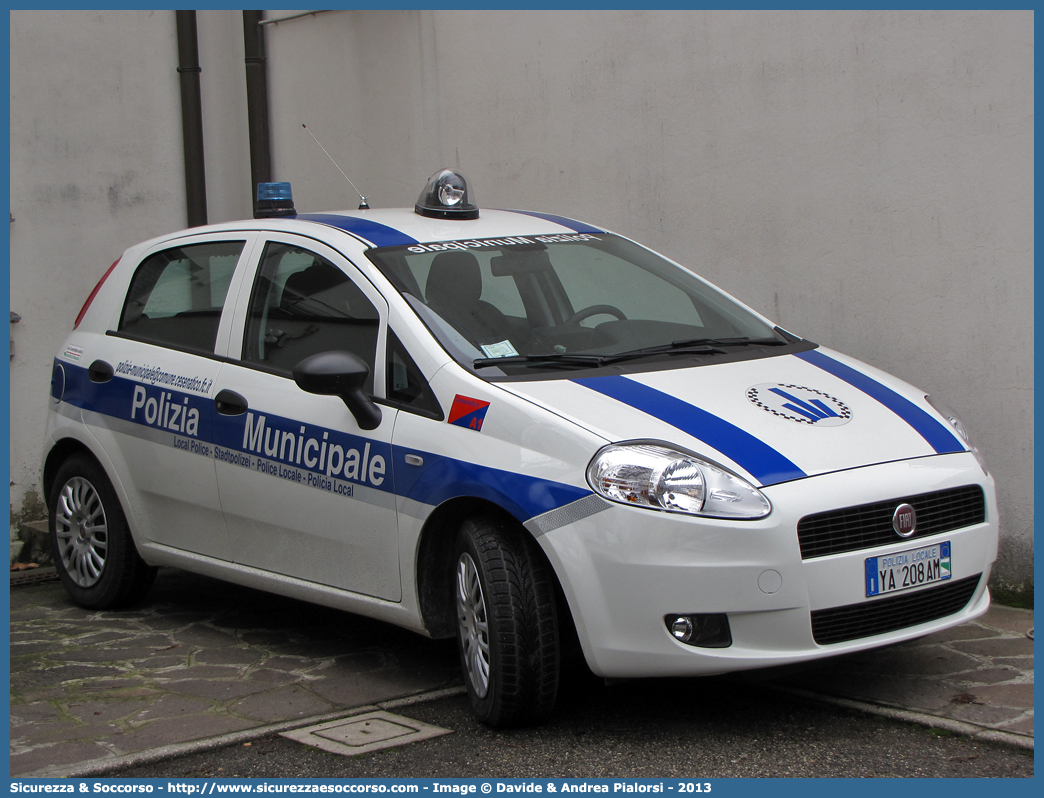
point(176, 296)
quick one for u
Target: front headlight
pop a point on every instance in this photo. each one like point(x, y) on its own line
point(962, 432)
point(661, 478)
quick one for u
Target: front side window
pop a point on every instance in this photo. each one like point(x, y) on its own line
point(406, 384)
point(302, 305)
point(176, 296)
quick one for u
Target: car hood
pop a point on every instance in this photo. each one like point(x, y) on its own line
point(770, 420)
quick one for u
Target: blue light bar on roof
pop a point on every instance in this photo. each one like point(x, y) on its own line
point(274, 200)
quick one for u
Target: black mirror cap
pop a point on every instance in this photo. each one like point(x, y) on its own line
point(331, 373)
point(339, 373)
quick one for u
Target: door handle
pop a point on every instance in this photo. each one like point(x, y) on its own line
point(230, 403)
point(100, 371)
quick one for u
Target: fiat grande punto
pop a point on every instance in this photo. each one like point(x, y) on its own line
point(504, 426)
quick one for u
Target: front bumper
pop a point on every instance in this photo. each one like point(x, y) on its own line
point(625, 569)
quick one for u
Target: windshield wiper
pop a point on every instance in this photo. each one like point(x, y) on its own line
point(551, 359)
point(692, 346)
point(740, 342)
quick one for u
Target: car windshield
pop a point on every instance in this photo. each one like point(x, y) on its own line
point(511, 306)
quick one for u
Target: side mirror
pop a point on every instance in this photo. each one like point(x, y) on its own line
point(340, 374)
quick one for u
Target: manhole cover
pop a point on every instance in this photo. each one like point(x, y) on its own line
point(364, 733)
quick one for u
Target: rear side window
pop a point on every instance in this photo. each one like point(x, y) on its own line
point(176, 296)
point(302, 305)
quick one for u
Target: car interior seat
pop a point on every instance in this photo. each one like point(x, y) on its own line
point(453, 290)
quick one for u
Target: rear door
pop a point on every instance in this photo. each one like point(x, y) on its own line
point(149, 395)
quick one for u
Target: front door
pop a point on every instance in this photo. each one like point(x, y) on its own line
point(305, 491)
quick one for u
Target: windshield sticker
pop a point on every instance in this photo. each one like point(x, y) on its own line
point(513, 241)
point(801, 404)
point(503, 349)
point(468, 412)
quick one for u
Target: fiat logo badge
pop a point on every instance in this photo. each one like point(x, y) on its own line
point(904, 520)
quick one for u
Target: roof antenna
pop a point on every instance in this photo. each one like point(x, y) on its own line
point(363, 205)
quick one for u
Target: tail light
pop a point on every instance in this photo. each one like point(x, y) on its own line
point(93, 294)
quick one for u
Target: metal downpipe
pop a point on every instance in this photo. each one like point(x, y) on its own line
point(257, 100)
point(191, 118)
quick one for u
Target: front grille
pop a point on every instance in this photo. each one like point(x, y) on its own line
point(870, 525)
point(855, 621)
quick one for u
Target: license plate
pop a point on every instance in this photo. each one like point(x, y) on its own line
point(903, 570)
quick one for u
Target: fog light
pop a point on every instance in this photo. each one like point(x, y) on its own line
point(704, 630)
point(681, 628)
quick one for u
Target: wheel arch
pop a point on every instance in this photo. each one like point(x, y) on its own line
point(58, 454)
point(435, 559)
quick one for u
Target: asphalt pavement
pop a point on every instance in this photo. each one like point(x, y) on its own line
point(203, 665)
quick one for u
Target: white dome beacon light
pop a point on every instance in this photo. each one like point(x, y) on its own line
point(446, 197)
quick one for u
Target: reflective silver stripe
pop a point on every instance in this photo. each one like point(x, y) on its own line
point(67, 410)
point(567, 514)
point(414, 508)
point(156, 435)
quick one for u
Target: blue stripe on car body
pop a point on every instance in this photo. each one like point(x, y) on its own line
point(443, 478)
point(440, 479)
point(759, 459)
point(380, 235)
point(938, 437)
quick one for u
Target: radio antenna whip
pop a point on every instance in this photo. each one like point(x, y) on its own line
point(363, 205)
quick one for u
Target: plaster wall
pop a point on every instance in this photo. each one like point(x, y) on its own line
point(96, 166)
point(225, 128)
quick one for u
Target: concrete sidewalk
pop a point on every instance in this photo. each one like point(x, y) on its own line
point(204, 663)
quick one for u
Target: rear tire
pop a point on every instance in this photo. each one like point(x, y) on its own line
point(507, 630)
point(91, 543)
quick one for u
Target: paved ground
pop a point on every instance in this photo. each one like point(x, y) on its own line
point(980, 673)
point(209, 663)
point(668, 729)
point(199, 658)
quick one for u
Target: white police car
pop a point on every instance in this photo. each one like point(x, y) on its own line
point(501, 426)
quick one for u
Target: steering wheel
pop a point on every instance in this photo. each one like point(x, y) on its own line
point(595, 310)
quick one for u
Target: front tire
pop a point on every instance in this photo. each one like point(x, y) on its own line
point(507, 630)
point(91, 543)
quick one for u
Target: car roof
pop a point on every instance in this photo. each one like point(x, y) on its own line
point(389, 227)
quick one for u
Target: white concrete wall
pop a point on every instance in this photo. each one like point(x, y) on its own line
point(864, 178)
point(226, 150)
point(96, 165)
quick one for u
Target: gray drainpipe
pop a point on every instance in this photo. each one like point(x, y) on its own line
point(192, 118)
point(257, 100)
